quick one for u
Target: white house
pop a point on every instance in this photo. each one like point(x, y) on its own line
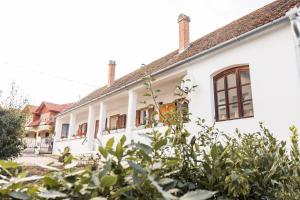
point(246, 72)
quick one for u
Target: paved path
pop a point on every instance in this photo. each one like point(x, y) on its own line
point(35, 160)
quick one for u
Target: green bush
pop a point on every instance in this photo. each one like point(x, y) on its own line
point(12, 122)
point(11, 133)
point(209, 165)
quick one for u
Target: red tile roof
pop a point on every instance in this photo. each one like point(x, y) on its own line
point(57, 108)
point(54, 107)
point(31, 108)
point(232, 30)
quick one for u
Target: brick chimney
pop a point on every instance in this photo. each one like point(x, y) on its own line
point(184, 32)
point(111, 72)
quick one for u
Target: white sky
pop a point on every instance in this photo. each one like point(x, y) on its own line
point(44, 44)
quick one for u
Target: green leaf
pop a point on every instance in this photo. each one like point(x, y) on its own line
point(198, 195)
point(51, 194)
point(103, 151)
point(8, 164)
point(122, 191)
point(136, 167)
point(109, 144)
point(108, 181)
point(50, 181)
point(162, 142)
point(119, 151)
point(123, 140)
point(144, 147)
point(19, 195)
point(26, 179)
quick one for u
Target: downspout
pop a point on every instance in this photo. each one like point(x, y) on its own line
point(293, 15)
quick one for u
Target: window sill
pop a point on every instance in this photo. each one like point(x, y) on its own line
point(62, 139)
point(77, 137)
point(233, 119)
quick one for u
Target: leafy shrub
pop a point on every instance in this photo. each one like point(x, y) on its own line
point(174, 166)
point(11, 132)
point(12, 120)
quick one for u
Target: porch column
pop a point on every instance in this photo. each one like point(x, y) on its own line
point(102, 116)
point(57, 130)
point(131, 113)
point(91, 128)
point(57, 133)
point(72, 127)
point(37, 143)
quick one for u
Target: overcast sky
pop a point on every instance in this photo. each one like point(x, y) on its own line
point(58, 50)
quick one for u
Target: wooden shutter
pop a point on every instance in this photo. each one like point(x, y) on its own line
point(96, 128)
point(166, 111)
point(122, 121)
point(79, 130)
point(138, 118)
point(84, 126)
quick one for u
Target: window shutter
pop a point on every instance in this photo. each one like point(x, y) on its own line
point(119, 122)
point(96, 128)
point(124, 120)
point(79, 132)
point(166, 111)
point(106, 124)
point(138, 118)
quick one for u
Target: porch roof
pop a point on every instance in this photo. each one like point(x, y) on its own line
point(249, 22)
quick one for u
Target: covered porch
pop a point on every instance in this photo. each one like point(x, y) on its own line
point(125, 113)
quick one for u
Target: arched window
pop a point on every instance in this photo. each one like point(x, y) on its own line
point(233, 96)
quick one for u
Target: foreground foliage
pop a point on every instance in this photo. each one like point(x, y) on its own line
point(12, 120)
point(175, 166)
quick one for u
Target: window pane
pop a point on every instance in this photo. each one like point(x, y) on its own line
point(245, 77)
point(246, 92)
point(222, 113)
point(231, 81)
point(232, 95)
point(221, 98)
point(233, 111)
point(248, 109)
point(220, 84)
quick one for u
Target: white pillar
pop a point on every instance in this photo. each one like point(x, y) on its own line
point(91, 128)
point(57, 134)
point(72, 124)
point(102, 117)
point(57, 130)
point(72, 127)
point(131, 113)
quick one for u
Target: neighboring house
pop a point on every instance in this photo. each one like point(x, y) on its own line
point(246, 72)
point(40, 126)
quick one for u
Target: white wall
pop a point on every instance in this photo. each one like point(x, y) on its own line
point(274, 79)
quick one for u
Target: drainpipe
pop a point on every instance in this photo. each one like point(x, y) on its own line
point(293, 15)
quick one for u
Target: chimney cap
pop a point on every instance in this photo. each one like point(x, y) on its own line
point(111, 62)
point(183, 17)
